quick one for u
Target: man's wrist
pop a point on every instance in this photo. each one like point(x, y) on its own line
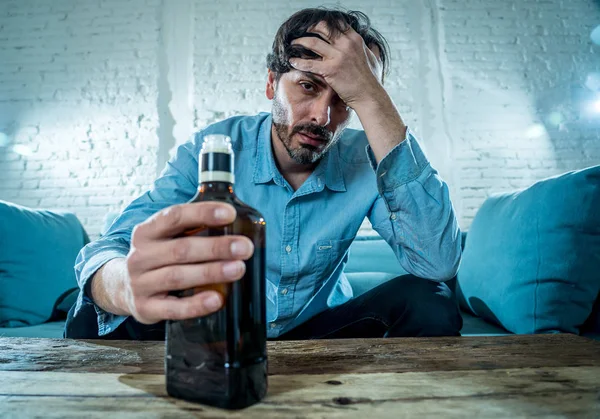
point(382, 124)
point(108, 290)
point(376, 99)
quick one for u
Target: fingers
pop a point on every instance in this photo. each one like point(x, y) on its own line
point(178, 218)
point(323, 29)
point(186, 250)
point(175, 308)
point(182, 277)
point(316, 45)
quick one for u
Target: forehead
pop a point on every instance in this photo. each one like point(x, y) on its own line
point(297, 75)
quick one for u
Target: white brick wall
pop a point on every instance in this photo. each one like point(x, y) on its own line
point(511, 64)
point(97, 89)
point(471, 77)
point(78, 86)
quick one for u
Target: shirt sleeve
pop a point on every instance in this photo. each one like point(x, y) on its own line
point(176, 184)
point(414, 214)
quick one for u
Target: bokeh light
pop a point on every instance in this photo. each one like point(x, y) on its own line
point(3, 139)
point(22, 149)
point(555, 119)
point(595, 35)
point(536, 131)
point(592, 81)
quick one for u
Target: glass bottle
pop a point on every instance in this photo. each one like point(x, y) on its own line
point(221, 359)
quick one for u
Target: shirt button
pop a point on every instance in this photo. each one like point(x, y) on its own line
point(288, 248)
point(273, 325)
point(393, 216)
point(284, 291)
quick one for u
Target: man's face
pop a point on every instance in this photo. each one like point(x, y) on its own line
point(308, 115)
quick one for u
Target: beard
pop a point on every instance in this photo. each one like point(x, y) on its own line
point(302, 153)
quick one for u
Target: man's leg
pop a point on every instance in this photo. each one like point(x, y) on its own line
point(404, 306)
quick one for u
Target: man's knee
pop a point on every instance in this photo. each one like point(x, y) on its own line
point(426, 308)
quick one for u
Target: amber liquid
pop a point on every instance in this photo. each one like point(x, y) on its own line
point(221, 359)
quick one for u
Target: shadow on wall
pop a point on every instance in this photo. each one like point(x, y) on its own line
point(78, 104)
point(521, 78)
point(570, 109)
point(571, 113)
point(562, 76)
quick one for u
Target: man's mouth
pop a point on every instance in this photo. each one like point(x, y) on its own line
point(312, 140)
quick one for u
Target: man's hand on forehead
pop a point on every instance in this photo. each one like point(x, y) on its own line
point(322, 31)
point(351, 68)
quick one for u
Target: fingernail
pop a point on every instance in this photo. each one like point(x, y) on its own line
point(239, 248)
point(232, 269)
point(222, 213)
point(292, 62)
point(212, 302)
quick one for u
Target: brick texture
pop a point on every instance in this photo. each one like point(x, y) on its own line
point(78, 88)
point(495, 90)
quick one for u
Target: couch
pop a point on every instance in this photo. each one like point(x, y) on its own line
point(531, 262)
point(371, 262)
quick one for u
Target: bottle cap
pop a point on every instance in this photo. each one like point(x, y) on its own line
point(216, 159)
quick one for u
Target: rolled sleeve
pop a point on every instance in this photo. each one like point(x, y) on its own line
point(176, 185)
point(403, 164)
point(414, 213)
point(90, 259)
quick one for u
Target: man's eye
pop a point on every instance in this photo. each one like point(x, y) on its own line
point(307, 86)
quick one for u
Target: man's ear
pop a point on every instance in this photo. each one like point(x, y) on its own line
point(270, 90)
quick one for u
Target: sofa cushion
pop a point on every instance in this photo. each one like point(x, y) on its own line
point(372, 254)
point(477, 326)
point(532, 258)
point(52, 330)
point(38, 251)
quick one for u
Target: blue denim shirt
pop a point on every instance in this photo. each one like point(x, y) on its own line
point(309, 230)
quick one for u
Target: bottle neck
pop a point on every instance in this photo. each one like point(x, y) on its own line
point(216, 167)
point(216, 188)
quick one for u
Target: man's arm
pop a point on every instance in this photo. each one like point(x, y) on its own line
point(177, 184)
point(414, 213)
point(108, 287)
point(160, 261)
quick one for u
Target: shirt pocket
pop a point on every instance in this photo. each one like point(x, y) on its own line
point(329, 254)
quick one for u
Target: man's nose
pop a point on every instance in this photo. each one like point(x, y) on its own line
point(321, 112)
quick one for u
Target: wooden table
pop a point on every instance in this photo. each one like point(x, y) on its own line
point(472, 377)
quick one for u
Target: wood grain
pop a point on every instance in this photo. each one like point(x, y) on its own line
point(502, 392)
point(316, 356)
point(508, 376)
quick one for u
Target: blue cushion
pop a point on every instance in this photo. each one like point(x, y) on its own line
point(372, 254)
point(38, 251)
point(53, 330)
point(371, 262)
point(532, 258)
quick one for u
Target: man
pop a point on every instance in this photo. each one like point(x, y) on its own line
point(314, 181)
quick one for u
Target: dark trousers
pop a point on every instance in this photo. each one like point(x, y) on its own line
point(402, 307)
point(405, 306)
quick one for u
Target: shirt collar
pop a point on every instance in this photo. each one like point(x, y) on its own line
point(266, 170)
point(331, 170)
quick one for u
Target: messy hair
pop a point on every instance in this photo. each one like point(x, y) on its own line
point(337, 21)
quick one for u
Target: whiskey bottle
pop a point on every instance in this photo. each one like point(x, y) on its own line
point(220, 359)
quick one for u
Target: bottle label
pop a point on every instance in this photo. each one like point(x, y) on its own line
point(216, 167)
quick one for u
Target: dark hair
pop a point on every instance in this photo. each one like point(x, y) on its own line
point(337, 21)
